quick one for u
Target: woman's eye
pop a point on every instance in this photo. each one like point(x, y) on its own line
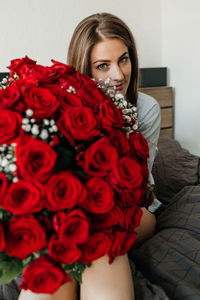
point(102, 67)
point(123, 59)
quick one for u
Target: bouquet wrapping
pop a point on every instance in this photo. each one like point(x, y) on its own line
point(72, 182)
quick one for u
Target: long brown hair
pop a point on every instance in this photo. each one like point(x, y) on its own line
point(93, 29)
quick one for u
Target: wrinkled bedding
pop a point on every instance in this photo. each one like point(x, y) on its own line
point(171, 258)
point(168, 265)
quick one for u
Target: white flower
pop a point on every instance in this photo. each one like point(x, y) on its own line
point(35, 129)
point(12, 167)
point(29, 112)
point(46, 122)
point(44, 134)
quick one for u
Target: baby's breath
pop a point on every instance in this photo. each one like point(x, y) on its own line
point(129, 111)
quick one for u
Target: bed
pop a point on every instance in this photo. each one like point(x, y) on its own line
point(167, 266)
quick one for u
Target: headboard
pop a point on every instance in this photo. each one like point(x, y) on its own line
point(164, 96)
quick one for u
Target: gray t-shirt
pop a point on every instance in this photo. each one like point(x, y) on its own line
point(149, 125)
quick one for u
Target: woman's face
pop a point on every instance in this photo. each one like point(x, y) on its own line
point(110, 59)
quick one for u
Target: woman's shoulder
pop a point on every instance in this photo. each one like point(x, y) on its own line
point(147, 107)
point(146, 102)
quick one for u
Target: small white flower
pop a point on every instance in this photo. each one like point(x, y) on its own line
point(29, 112)
point(107, 81)
point(120, 105)
point(4, 162)
point(15, 179)
point(127, 118)
point(52, 122)
point(119, 97)
point(12, 167)
point(124, 102)
point(46, 122)
point(55, 128)
point(4, 81)
point(126, 111)
point(44, 134)
point(9, 156)
point(25, 121)
point(27, 127)
point(35, 129)
point(135, 127)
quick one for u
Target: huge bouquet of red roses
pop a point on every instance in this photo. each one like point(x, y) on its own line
point(71, 182)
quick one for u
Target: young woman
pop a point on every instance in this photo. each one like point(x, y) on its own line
point(102, 46)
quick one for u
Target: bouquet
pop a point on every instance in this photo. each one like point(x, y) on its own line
point(73, 174)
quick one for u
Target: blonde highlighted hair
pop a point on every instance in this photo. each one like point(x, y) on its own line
point(93, 29)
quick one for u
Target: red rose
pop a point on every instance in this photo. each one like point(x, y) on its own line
point(35, 159)
point(99, 159)
point(23, 197)
point(132, 217)
point(43, 275)
point(67, 99)
point(10, 126)
point(110, 116)
point(90, 94)
point(24, 236)
point(2, 238)
point(127, 174)
point(119, 140)
point(64, 252)
point(44, 74)
point(133, 197)
point(122, 243)
point(74, 227)
point(84, 79)
point(95, 247)
point(43, 103)
point(64, 190)
point(9, 97)
point(100, 198)
point(24, 85)
point(68, 83)
point(78, 123)
point(140, 145)
point(104, 221)
point(62, 69)
point(20, 66)
point(3, 185)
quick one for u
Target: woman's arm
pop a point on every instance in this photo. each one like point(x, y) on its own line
point(146, 228)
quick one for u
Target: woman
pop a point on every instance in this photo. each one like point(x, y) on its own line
point(102, 46)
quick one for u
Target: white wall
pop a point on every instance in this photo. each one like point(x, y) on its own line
point(166, 32)
point(181, 54)
point(42, 29)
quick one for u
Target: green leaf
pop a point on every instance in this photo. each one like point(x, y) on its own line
point(10, 267)
point(77, 276)
point(76, 270)
point(68, 267)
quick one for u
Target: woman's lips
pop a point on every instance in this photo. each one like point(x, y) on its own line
point(119, 87)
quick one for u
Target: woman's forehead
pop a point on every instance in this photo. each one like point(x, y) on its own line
point(108, 49)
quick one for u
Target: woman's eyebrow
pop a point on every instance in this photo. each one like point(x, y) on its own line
point(125, 53)
point(107, 60)
point(101, 60)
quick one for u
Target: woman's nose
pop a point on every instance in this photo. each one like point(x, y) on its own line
point(116, 73)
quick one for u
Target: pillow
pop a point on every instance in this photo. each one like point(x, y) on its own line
point(173, 169)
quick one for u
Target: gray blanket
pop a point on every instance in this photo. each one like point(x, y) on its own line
point(171, 258)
